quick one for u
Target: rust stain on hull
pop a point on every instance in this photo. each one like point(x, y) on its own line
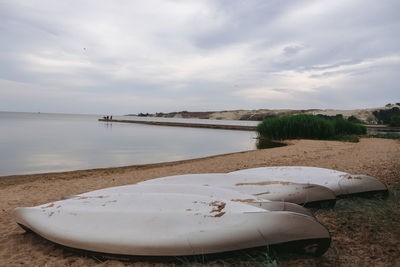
point(48, 206)
point(218, 206)
point(353, 177)
point(247, 200)
point(220, 214)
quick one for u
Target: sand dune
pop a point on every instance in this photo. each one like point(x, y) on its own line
point(365, 115)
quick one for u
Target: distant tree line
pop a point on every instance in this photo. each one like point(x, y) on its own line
point(388, 116)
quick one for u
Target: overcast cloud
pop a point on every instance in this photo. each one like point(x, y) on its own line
point(118, 57)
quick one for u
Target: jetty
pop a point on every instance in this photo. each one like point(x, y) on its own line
point(187, 124)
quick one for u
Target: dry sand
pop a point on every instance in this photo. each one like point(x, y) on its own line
point(377, 157)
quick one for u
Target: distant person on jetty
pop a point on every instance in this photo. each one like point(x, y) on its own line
point(107, 118)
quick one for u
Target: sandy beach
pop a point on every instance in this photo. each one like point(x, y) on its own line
point(376, 157)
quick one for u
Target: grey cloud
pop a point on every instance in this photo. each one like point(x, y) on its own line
point(283, 90)
point(244, 21)
point(292, 49)
point(133, 51)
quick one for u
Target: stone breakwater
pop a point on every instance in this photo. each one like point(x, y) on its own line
point(188, 124)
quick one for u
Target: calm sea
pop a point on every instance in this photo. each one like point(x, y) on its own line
point(35, 143)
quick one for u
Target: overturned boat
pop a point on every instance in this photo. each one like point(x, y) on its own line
point(342, 183)
point(309, 195)
point(170, 224)
point(208, 191)
point(310, 186)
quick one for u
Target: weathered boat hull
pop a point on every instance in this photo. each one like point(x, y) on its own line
point(210, 191)
point(169, 225)
point(310, 195)
point(341, 183)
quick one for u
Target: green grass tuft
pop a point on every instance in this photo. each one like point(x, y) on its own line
point(395, 121)
point(376, 215)
point(239, 258)
point(307, 126)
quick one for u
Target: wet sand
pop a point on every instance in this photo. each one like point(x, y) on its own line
point(376, 157)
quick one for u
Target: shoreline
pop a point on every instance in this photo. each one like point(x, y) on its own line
point(377, 157)
point(30, 177)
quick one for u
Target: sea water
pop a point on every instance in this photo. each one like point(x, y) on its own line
point(39, 142)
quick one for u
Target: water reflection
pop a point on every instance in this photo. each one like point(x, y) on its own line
point(107, 125)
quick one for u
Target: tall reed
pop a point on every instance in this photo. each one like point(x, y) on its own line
point(307, 126)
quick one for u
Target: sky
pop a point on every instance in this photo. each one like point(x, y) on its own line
point(126, 56)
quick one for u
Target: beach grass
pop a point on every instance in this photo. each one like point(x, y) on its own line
point(241, 258)
point(307, 126)
point(364, 220)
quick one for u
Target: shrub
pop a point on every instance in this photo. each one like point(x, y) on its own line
point(384, 115)
point(354, 119)
point(395, 121)
point(343, 127)
point(337, 116)
point(308, 126)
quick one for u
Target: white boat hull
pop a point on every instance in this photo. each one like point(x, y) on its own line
point(341, 183)
point(156, 224)
point(298, 193)
point(302, 185)
point(210, 191)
